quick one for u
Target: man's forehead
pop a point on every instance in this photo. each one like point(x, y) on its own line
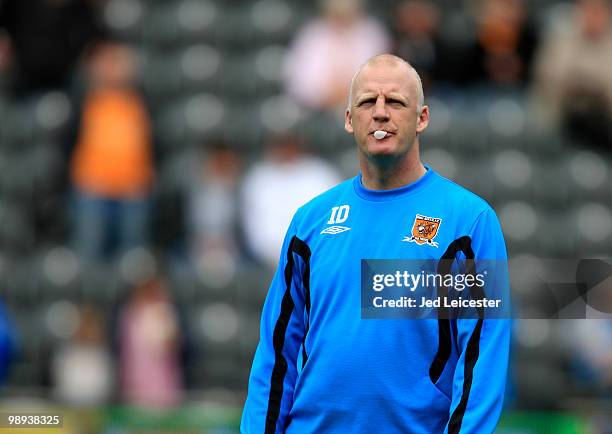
point(391, 79)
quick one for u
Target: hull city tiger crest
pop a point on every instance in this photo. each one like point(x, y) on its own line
point(424, 230)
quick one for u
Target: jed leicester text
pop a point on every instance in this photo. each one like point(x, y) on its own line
point(445, 302)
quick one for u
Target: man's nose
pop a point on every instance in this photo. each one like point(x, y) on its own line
point(380, 110)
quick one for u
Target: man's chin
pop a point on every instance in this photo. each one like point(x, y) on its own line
point(382, 149)
point(383, 157)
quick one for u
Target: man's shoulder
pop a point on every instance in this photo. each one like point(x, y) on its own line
point(460, 197)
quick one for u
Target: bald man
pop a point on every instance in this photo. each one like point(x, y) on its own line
point(334, 354)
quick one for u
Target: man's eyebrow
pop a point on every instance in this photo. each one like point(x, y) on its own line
point(398, 96)
point(366, 96)
point(391, 95)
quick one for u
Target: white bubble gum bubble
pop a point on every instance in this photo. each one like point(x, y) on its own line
point(380, 134)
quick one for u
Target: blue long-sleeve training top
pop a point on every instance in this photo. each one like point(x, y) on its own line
point(320, 368)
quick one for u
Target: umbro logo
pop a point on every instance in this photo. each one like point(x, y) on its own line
point(339, 214)
point(333, 230)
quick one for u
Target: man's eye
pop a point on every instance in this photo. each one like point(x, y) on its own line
point(396, 103)
point(367, 102)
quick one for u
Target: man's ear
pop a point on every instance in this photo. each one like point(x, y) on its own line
point(348, 126)
point(423, 120)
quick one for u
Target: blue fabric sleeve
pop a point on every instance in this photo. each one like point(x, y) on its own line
point(274, 370)
point(480, 375)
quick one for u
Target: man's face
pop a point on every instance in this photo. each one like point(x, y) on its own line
point(385, 98)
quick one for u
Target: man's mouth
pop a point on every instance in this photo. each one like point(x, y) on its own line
point(381, 134)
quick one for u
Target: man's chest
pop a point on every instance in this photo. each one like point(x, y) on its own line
point(345, 235)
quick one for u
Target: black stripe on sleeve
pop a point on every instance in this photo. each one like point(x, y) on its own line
point(444, 350)
point(462, 244)
point(471, 356)
point(302, 249)
point(280, 329)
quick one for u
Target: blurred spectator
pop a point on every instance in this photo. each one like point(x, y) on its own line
point(150, 341)
point(45, 39)
point(574, 84)
point(418, 40)
point(5, 51)
point(82, 369)
point(112, 163)
point(273, 190)
point(593, 336)
point(213, 226)
point(506, 42)
point(7, 342)
point(327, 51)
point(594, 352)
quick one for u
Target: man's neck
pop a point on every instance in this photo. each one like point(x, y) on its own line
point(386, 177)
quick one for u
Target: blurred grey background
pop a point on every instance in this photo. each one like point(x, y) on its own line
point(152, 153)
